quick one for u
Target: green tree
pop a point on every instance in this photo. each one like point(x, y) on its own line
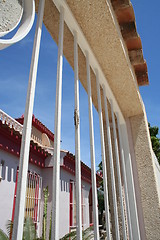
point(155, 140)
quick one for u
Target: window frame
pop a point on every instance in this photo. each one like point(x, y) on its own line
point(34, 181)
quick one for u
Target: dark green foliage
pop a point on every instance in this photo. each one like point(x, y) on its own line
point(155, 141)
point(100, 166)
point(86, 235)
point(71, 235)
point(101, 207)
point(100, 195)
point(101, 201)
point(100, 169)
point(3, 236)
point(46, 195)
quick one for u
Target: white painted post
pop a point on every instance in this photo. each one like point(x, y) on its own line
point(77, 143)
point(25, 144)
point(57, 134)
point(92, 152)
point(124, 179)
point(105, 185)
point(118, 172)
point(111, 168)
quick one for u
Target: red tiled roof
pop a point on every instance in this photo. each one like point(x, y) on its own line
point(10, 141)
point(69, 164)
point(126, 18)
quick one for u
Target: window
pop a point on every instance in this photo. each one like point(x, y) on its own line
point(72, 207)
point(33, 196)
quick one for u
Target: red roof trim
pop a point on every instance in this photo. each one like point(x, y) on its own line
point(38, 125)
point(10, 141)
point(69, 165)
point(73, 172)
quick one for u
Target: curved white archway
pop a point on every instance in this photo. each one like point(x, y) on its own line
point(25, 25)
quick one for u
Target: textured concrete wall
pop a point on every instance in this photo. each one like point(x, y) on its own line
point(98, 25)
point(11, 11)
point(157, 172)
point(146, 176)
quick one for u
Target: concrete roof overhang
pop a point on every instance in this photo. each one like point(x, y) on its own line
point(100, 26)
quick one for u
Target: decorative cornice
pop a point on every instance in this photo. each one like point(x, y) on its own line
point(69, 165)
point(126, 18)
point(39, 126)
point(10, 141)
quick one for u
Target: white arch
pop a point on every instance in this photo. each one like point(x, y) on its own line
point(18, 21)
point(25, 25)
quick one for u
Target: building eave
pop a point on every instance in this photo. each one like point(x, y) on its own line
point(126, 18)
point(98, 22)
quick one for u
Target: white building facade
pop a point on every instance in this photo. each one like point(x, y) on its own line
point(39, 177)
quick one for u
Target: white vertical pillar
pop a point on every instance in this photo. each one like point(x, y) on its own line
point(57, 134)
point(118, 172)
point(111, 168)
point(25, 144)
point(92, 152)
point(105, 185)
point(124, 179)
point(77, 143)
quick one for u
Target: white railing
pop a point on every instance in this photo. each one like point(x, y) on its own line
point(116, 113)
point(93, 63)
point(12, 123)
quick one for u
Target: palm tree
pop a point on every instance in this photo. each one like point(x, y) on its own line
point(29, 231)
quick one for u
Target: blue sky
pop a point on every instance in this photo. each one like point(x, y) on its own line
point(14, 72)
point(15, 65)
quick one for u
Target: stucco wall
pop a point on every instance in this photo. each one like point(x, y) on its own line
point(157, 173)
point(147, 189)
point(11, 11)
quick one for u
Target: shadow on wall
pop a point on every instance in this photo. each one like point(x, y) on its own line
point(64, 186)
